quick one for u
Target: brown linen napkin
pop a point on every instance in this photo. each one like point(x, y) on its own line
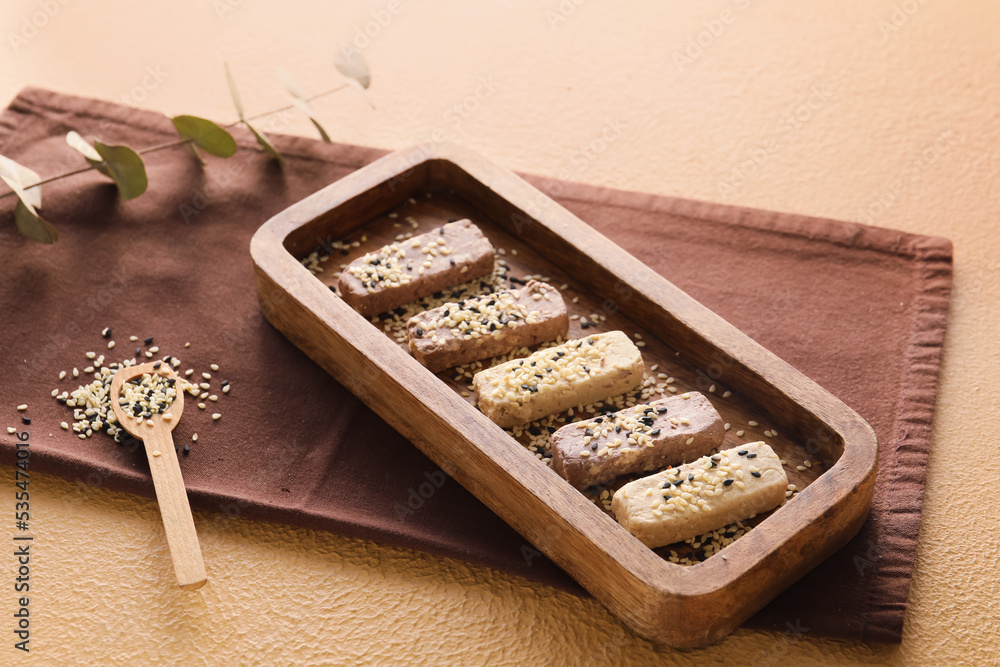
point(860, 310)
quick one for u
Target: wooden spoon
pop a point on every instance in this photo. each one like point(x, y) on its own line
point(166, 471)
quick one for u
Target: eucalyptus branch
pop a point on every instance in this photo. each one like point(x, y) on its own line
point(172, 144)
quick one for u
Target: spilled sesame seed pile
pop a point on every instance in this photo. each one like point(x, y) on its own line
point(149, 395)
point(535, 436)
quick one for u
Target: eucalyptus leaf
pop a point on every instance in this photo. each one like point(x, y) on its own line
point(24, 178)
point(206, 135)
point(300, 102)
point(126, 169)
point(92, 157)
point(290, 83)
point(353, 67)
point(26, 216)
point(234, 92)
point(78, 143)
point(265, 143)
point(322, 133)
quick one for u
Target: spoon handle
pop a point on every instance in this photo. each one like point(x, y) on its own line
point(174, 508)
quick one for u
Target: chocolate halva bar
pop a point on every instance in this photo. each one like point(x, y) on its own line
point(641, 438)
point(405, 271)
point(487, 326)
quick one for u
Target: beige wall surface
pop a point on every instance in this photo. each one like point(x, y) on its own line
point(879, 111)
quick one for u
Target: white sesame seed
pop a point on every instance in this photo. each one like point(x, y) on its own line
point(727, 426)
point(216, 416)
point(800, 468)
point(11, 430)
point(188, 372)
point(157, 451)
point(214, 367)
point(22, 407)
point(187, 344)
point(752, 423)
point(739, 433)
point(90, 355)
point(201, 406)
point(76, 373)
point(225, 390)
point(207, 376)
point(133, 338)
point(64, 426)
point(727, 394)
point(213, 397)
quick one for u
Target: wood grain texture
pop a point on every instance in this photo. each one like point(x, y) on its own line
point(667, 603)
point(171, 495)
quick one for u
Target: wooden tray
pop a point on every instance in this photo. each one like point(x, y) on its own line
point(416, 190)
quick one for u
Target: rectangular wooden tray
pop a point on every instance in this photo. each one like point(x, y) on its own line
point(416, 190)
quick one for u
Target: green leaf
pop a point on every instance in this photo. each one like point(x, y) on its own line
point(353, 67)
point(24, 178)
point(206, 135)
point(29, 222)
point(322, 133)
point(265, 143)
point(126, 169)
point(234, 92)
point(300, 102)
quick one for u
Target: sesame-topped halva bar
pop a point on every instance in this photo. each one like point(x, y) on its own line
point(408, 270)
point(558, 378)
point(701, 496)
point(642, 438)
point(487, 326)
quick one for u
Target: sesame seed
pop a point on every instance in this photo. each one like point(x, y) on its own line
point(225, 390)
point(740, 433)
point(207, 376)
point(214, 367)
point(187, 344)
point(133, 338)
point(216, 416)
point(157, 453)
point(727, 394)
point(752, 423)
point(22, 407)
point(64, 426)
point(727, 426)
point(11, 430)
point(62, 374)
point(201, 406)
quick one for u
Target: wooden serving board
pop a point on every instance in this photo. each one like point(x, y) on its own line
point(830, 452)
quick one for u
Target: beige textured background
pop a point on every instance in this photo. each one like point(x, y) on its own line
point(871, 110)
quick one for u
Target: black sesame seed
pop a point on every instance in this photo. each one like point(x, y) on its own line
point(755, 474)
point(419, 332)
point(149, 341)
point(534, 430)
point(727, 482)
point(187, 449)
point(618, 429)
point(26, 421)
point(107, 332)
point(690, 478)
point(588, 431)
point(138, 351)
point(742, 452)
point(678, 482)
point(661, 410)
point(550, 429)
point(452, 262)
point(157, 365)
point(752, 455)
point(655, 432)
